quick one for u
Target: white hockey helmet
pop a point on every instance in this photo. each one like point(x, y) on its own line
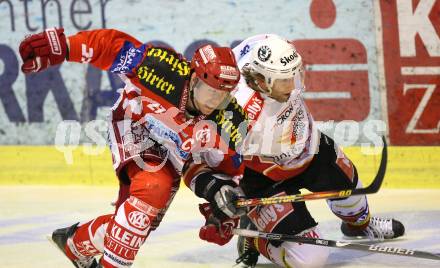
point(276, 58)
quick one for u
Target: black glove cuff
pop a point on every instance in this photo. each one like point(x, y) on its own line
point(206, 185)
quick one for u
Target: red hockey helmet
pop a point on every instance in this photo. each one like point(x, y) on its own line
point(216, 66)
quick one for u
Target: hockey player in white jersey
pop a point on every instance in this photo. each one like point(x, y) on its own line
point(284, 152)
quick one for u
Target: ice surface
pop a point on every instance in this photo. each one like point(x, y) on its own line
point(30, 213)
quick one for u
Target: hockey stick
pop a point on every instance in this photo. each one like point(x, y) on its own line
point(371, 189)
point(339, 244)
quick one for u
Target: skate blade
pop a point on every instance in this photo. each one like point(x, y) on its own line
point(49, 237)
point(242, 265)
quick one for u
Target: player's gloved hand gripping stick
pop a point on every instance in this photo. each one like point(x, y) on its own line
point(371, 189)
point(339, 244)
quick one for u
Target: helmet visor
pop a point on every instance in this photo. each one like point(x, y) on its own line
point(298, 77)
point(289, 84)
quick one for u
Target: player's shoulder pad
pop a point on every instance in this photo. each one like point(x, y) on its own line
point(232, 123)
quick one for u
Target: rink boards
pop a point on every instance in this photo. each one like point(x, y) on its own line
point(408, 166)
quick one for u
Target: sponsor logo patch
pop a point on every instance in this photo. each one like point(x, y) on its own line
point(228, 72)
point(287, 59)
point(128, 58)
point(160, 132)
point(54, 41)
point(245, 50)
point(264, 53)
point(207, 53)
point(266, 218)
point(254, 106)
point(165, 73)
point(138, 219)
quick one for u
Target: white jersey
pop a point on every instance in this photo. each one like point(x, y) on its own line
point(283, 137)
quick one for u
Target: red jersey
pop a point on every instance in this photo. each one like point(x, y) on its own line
point(149, 119)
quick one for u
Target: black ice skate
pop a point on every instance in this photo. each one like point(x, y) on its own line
point(377, 229)
point(60, 236)
point(248, 255)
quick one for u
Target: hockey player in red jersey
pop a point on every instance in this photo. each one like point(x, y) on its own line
point(170, 112)
point(284, 152)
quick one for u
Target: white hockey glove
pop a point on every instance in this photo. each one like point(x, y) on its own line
point(224, 200)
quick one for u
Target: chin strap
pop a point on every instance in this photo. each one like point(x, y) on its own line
point(195, 112)
point(269, 85)
point(268, 91)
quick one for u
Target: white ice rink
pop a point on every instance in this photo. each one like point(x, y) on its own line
point(29, 213)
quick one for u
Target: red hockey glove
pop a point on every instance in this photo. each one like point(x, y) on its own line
point(214, 230)
point(39, 51)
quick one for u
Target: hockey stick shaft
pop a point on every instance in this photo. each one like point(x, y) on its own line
point(397, 251)
point(372, 188)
